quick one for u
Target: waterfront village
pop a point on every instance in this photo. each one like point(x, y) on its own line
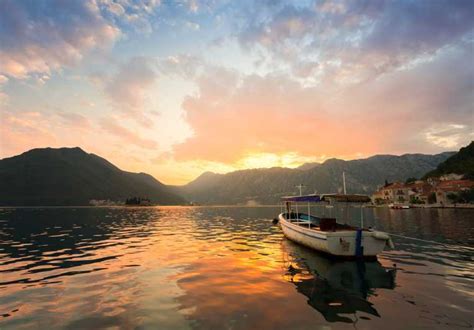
point(446, 191)
point(451, 190)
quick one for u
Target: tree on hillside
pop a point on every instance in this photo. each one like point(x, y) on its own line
point(460, 163)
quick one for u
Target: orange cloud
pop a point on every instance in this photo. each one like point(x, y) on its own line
point(234, 116)
point(113, 127)
point(267, 115)
point(29, 130)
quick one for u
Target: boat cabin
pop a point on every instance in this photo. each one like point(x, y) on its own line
point(293, 204)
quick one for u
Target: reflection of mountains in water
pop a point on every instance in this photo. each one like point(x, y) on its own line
point(41, 245)
point(335, 287)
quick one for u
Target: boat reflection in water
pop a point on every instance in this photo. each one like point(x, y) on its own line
point(335, 288)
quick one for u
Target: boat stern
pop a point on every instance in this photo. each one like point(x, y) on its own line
point(345, 244)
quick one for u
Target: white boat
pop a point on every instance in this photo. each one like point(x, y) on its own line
point(396, 206)
point(328, 236)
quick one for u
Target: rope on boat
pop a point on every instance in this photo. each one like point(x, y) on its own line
point(428, 241)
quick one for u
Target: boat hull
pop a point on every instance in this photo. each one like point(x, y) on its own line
point(338, 243)
point(399, 206)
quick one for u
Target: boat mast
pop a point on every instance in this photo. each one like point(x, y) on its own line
point(344, 181)
point(300, 187)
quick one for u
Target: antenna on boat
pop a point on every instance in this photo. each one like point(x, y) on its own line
point(300, 187)
point(344, 181)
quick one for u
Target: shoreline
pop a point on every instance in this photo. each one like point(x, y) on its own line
point(438, 206)
point(420, 206)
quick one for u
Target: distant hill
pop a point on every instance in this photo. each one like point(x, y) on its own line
point(266, 186)
point(70, 176)
point(460, 163)
point(308, 166)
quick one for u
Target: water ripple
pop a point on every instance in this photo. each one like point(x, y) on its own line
point(221, 268)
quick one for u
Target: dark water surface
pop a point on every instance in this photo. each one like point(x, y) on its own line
point(227, 268)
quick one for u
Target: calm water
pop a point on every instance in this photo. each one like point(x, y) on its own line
point(227, 268)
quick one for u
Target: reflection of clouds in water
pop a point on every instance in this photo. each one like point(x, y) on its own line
point(212, 268)
point(86, 264)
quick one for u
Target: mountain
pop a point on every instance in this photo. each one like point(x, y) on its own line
point(460, 163)
point(266, 186)
point(308, 166)
point(70, 176)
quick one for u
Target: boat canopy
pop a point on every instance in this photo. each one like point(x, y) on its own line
point(341, 198)
point(304, 198)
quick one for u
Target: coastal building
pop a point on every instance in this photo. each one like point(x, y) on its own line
point(447, 190)
point(451, 176)
point(434, 190)
point(378, 197)
point(420, 191)
point(395, 192)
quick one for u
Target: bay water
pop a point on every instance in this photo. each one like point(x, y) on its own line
point(228, 268)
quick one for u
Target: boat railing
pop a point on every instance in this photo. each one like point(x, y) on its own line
point(329, 200)
point(300, 216)
point(302, 219)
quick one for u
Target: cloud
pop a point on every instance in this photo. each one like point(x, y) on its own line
point(114, 8)
point(16, 132)
point(181, 65)
point(111, 126)
point(235, 115)
point(78, 120)
point(25, 130)
point(3, 79)
point(3, 96)
point(42, 36)
point(232, 118)
point(419, 27)
point(134, 16)
point(285, 81)
point(354, 41)
point(128, 88)
point(135, 96)
point(449, 135)
point(193, 6)
point(192, 26)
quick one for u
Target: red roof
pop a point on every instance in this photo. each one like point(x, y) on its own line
point(455, 185)
point(395, 185)
point(417, 184)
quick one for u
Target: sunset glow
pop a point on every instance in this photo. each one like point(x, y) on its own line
point(177, 88)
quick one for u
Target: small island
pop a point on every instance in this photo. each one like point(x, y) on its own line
point(138, 201)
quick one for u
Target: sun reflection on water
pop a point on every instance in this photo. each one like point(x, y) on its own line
point(205, 268)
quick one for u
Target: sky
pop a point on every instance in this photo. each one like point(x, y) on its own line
point(176, 88)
